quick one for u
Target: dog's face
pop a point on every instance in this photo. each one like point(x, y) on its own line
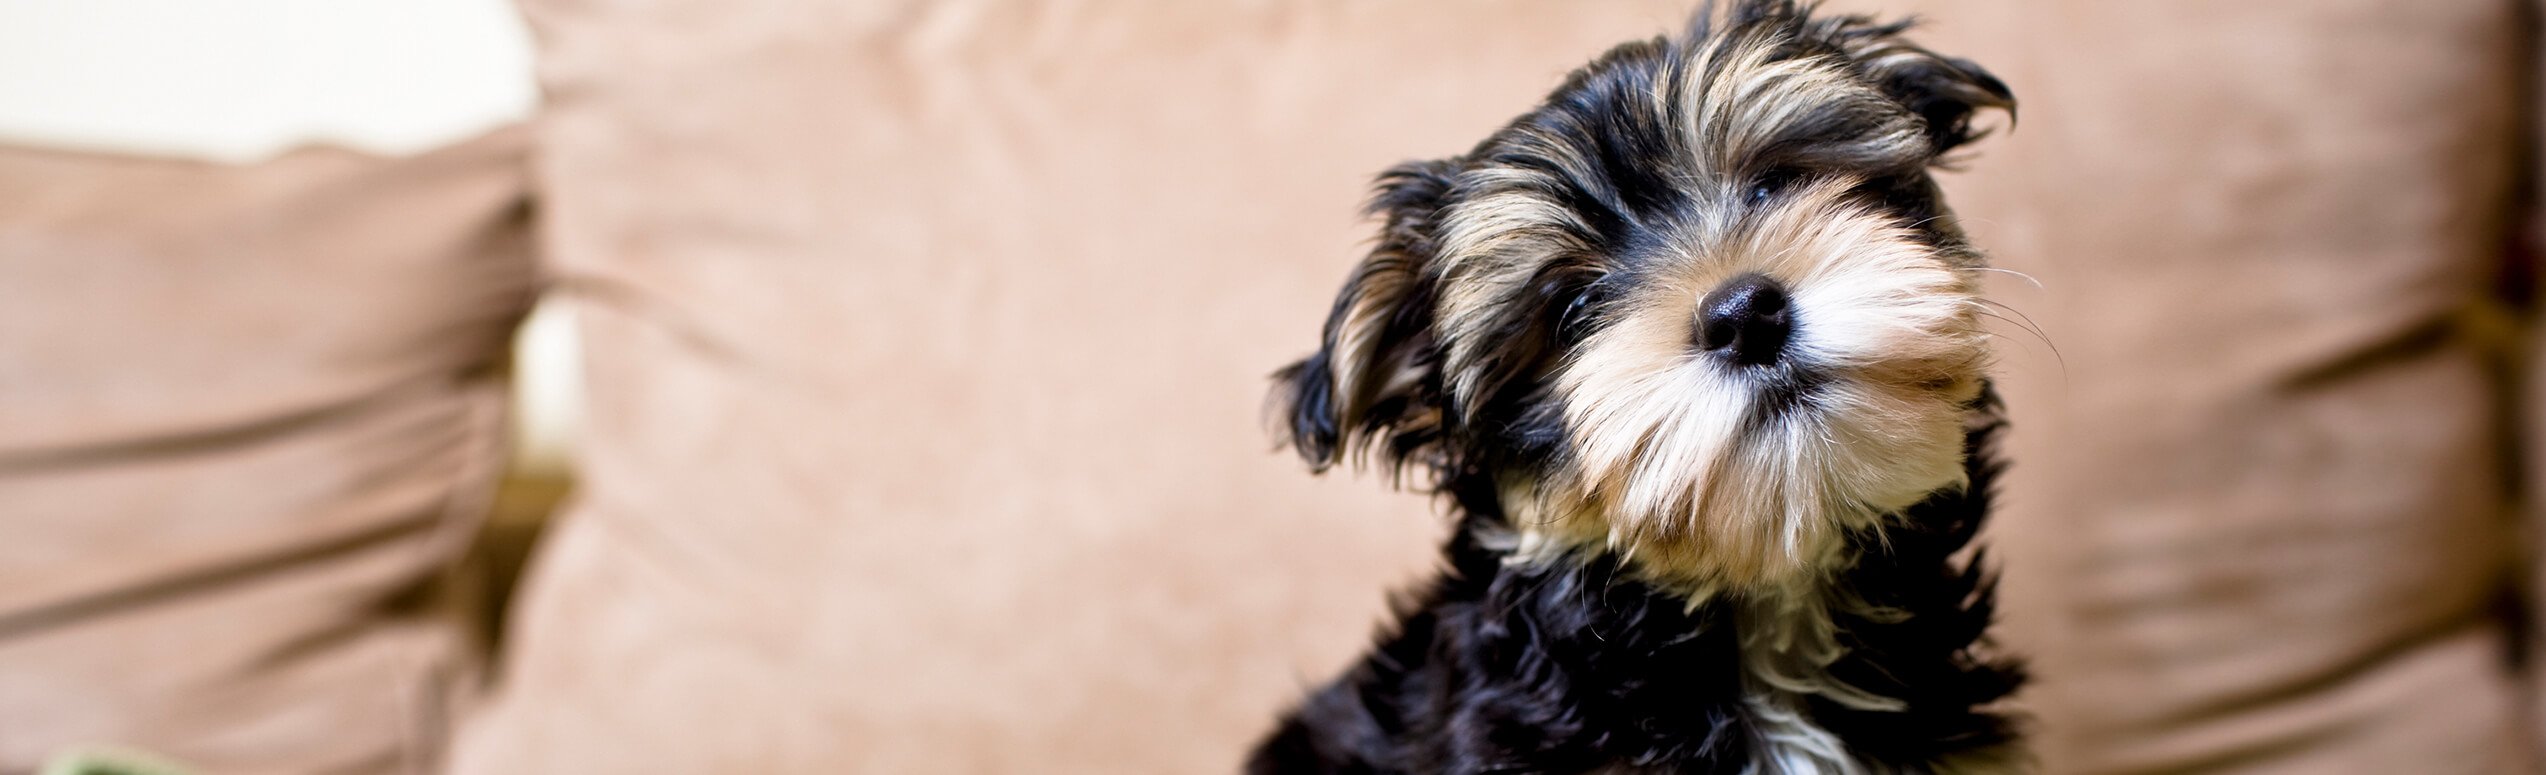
point(1702, 307)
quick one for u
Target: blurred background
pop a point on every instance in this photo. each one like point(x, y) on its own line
point(423, 386)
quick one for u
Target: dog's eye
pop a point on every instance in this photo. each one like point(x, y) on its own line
point(1769, 184)
point(1580, 310)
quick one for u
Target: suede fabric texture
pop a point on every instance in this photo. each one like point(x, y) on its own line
point(251, 417)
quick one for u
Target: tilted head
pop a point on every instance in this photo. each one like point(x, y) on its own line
point(1702, 307)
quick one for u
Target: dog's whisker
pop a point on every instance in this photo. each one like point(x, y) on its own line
point(2037, 284)
point(2031, 327)
point(2057, 358)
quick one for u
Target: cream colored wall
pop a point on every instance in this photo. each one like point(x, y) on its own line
point(241, 80)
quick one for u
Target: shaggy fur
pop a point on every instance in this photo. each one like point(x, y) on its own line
point(1693, 350)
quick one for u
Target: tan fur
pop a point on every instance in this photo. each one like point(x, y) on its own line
point(1385, 282)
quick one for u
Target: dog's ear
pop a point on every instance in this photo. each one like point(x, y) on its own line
point(1946, 91)
point(1376, 371)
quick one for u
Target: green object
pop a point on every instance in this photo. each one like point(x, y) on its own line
point(109, 761)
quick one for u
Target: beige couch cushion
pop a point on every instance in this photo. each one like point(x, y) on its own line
point(250, 416)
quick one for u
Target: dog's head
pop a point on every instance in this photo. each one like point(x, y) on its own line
point(1703, 306)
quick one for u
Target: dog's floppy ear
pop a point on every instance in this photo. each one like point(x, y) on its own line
point(1946, 91)
point(1376, 371)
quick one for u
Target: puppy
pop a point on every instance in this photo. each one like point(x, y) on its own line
point(1692, 350)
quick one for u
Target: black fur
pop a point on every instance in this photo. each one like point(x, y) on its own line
point(1571, 667)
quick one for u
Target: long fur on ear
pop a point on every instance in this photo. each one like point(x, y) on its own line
point(1945, 91)
point(1376, 371)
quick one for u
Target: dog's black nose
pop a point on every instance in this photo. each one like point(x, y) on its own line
point(1747, 320)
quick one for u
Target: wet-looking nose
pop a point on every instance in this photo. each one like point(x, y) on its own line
point(1747, 320)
